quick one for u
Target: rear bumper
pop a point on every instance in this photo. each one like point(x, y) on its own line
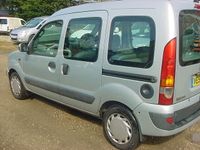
point(152, 119)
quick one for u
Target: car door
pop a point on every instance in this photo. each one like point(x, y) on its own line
point(40, 65)
point(81, 64)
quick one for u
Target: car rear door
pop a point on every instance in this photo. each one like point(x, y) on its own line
point(187, 82)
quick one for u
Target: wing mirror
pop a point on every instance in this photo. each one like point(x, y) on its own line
point(23, 47)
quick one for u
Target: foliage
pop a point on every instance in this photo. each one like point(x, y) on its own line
point(2, 3)
point(28, 9)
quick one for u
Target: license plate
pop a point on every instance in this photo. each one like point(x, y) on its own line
point(196, 80)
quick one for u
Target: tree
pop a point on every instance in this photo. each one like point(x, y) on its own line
point(28, 9)
point(2, 3)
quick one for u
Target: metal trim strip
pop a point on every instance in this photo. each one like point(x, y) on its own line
point(130, 76)
point(76, 95)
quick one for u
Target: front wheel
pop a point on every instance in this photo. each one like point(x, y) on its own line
point(120, 128)
point(17, 87)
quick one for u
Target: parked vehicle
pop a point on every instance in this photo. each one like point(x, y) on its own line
point(136, 67)
point(9, 23)
point(25, 33)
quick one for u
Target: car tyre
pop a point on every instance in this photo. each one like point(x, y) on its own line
point(17, 88)
point(120, 128)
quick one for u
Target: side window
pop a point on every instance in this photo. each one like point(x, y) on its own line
point(47, 40)
point(189, 31)
point(22, 22)
point(132, 41)
point(3, 21)
point(82, 39)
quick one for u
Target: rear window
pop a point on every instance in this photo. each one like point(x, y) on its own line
point(132, 41)
point(189, 37)
point(3, 21)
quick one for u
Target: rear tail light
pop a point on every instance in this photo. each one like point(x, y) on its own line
point(168, 74)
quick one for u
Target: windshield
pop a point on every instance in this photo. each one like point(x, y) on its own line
point(189, 37)
point(33, 22)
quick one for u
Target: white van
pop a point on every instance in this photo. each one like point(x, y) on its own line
point(137, 66)
point(9, 23)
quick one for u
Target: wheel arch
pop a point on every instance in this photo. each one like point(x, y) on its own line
point(110, 103)
point(119, 94)
point(10, 72)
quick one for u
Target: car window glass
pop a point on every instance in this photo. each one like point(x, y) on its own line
point(3, 21)
point(140, 34)
point(46, 41)
point(82, 39)
point(132, 41)
point(189, 37)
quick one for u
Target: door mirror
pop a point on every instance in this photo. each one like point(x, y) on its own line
point(23, 47)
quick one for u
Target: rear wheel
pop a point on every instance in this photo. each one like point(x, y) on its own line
point(17, 87)
point(120, 128)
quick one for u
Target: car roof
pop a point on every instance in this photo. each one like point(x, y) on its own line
point(118, 4)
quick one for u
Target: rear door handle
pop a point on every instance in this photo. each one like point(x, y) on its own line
point(65, 69)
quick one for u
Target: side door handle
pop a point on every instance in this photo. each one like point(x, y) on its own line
point(65, 69)
point(52, 66)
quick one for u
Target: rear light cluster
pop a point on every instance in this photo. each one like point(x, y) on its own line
point(168, 74)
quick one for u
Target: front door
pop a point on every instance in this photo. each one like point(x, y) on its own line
point(81, 64)
point(40, 64)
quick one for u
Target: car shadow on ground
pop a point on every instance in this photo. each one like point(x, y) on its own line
point(71, 111)
point(147, 140)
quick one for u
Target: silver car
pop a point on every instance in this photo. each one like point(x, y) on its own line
point(25, 33)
